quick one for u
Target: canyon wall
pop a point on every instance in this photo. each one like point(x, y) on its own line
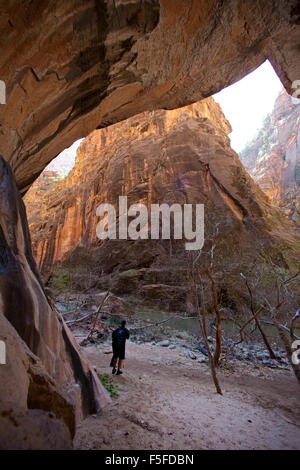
point(180, 156)
point(73, 66)
point(46, 384)
point(273, 156)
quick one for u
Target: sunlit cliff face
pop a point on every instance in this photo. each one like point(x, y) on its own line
point(273, 157)
point(181, 156)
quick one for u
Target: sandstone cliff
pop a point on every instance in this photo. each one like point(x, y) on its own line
point(273, 157)
point(175, 156)
point(46, 384)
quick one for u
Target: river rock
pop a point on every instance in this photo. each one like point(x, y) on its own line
point(165, 343)
point(201, 359)
point(262, 355)
point(203, 351)
point(191, 355)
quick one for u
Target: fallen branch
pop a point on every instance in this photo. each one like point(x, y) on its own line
point(71, 311)
point(90, 335)
point(69, 322)
point(91, 314)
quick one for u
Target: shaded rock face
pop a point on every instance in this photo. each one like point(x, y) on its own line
point(273, 157)
point(44, 369)
point(70, 67)
point(180, 156)
point(24, 382)
point(32, 430)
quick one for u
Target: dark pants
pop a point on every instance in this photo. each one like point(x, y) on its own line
point(119, 352)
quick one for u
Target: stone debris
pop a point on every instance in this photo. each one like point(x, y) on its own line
point(165, 343)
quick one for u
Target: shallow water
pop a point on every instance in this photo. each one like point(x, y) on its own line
point(191, 325)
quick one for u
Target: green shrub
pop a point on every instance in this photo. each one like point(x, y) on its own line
point(60, 279)
point(106, 381)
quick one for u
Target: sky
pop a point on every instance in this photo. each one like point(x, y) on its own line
point(65, 161)
point(246, 103)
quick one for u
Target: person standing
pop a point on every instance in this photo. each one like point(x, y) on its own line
point(119, 336)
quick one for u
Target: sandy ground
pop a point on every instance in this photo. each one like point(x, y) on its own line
point(166, 401)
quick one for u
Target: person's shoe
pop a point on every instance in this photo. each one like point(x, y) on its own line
point(119, 372)
point(114, 370)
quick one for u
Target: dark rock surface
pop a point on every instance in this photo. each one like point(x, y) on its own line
point(44, 368)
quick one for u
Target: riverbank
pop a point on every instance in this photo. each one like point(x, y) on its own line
point(150, 325)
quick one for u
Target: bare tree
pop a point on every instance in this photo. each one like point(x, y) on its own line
point(281, 330)
point(281, 285)
point(198, 294)
point(255, 318)
point(218, 348)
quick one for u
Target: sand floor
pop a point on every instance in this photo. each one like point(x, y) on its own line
point(167, 401)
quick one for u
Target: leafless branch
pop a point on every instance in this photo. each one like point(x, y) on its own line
point(90, 335)
point(255, 318)
point(201, 314)
point(241, 332)
point(293, 323)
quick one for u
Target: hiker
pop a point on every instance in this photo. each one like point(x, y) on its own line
point(119, 337)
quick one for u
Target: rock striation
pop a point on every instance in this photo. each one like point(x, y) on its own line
point(273, 157)
point(46, 384)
